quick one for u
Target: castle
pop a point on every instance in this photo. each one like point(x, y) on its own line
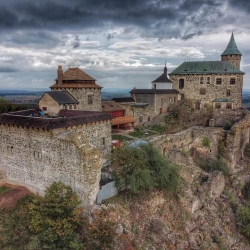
point(217, 84)
point(69, 142)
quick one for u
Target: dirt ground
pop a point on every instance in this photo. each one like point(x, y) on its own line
point(11, 197)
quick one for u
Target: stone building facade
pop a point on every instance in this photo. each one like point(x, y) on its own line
point(53, 101)
point(35, 151)
point(212, 83)
point(81, 86)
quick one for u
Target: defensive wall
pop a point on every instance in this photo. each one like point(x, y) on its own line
point(232, 142)
point(35, 152)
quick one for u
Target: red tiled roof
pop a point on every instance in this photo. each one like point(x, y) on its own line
point(76, 74)
point(76, 85)
point(122, 120)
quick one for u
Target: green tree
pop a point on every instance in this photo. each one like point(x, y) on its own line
point(6, 106)
point(56, 218)
point(144, 168)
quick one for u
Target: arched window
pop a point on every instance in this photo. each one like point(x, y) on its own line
point(181, 83)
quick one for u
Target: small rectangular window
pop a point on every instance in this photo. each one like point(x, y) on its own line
point(174, 99)
point(103, 141)
point(218, 81)
point(90, 99)
point(44, 108)
point(140, 119)
point(228, 92)
point(149, 119)
point(70, 106)
point(170, 99)
point(75, 106)
point(10, 149)
point(217, 105)
point(208, 80)
point(229, 106)
point(232, 81)
point(201, 80)
point(38, 154)
point(202, 91)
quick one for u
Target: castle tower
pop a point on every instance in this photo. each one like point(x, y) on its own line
point(81, 86)
point(232, 54)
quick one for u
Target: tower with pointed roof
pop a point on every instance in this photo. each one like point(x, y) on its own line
point(231, 53)
point(162, 82)
point(81, 86)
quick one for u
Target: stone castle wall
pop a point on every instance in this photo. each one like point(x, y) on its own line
point(35, 158)
point(192, 88)
point(81, 95)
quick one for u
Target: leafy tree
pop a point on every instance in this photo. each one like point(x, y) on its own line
point(6, 106)
point(49, 222)
point(56, 217)
point(144, 168)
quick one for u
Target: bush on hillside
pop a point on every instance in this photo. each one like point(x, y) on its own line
point(144, 168)
point(246, 190)
point(49, 222)
point(243, 219)
point(218, 163)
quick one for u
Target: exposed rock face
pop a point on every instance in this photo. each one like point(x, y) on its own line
point(216, 184)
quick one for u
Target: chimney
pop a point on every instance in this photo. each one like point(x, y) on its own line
point(134, 95)
point(59, 75)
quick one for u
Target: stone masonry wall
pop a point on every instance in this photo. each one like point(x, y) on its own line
point(237, 138)
point(36, 158)
point(81, 95)
point(192, 88)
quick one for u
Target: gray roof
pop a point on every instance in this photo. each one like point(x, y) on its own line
point(163, 77)
point(206, 67)
point(123, 99)
point(69, 119)
point(61, 97)
point(231, 48)
point(154, 91)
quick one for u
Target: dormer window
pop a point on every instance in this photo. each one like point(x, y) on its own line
point(204, 70)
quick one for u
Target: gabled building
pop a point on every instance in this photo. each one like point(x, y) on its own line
point(212, 83)
point(53, 101)
point(81, 86)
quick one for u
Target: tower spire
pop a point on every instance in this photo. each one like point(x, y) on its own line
point(165, 69)
point(231, 53)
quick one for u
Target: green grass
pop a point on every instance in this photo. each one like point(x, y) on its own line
point(159, 129)
point(121, 138)
point(4, 189)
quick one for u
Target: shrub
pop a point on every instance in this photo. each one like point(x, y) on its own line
point(243, 218)
point(247, 150)
point(144, 168)
point(246, 190)
point(206, 142)
point(227, 125)
point(219, 164)
point(49, 222)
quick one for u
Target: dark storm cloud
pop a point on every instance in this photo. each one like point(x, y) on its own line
point(7, 70)
point(76, 42)
point(29, 38)
point(151, 16)
point(241, 4)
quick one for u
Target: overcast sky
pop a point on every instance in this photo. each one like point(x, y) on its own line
point(121, 43)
